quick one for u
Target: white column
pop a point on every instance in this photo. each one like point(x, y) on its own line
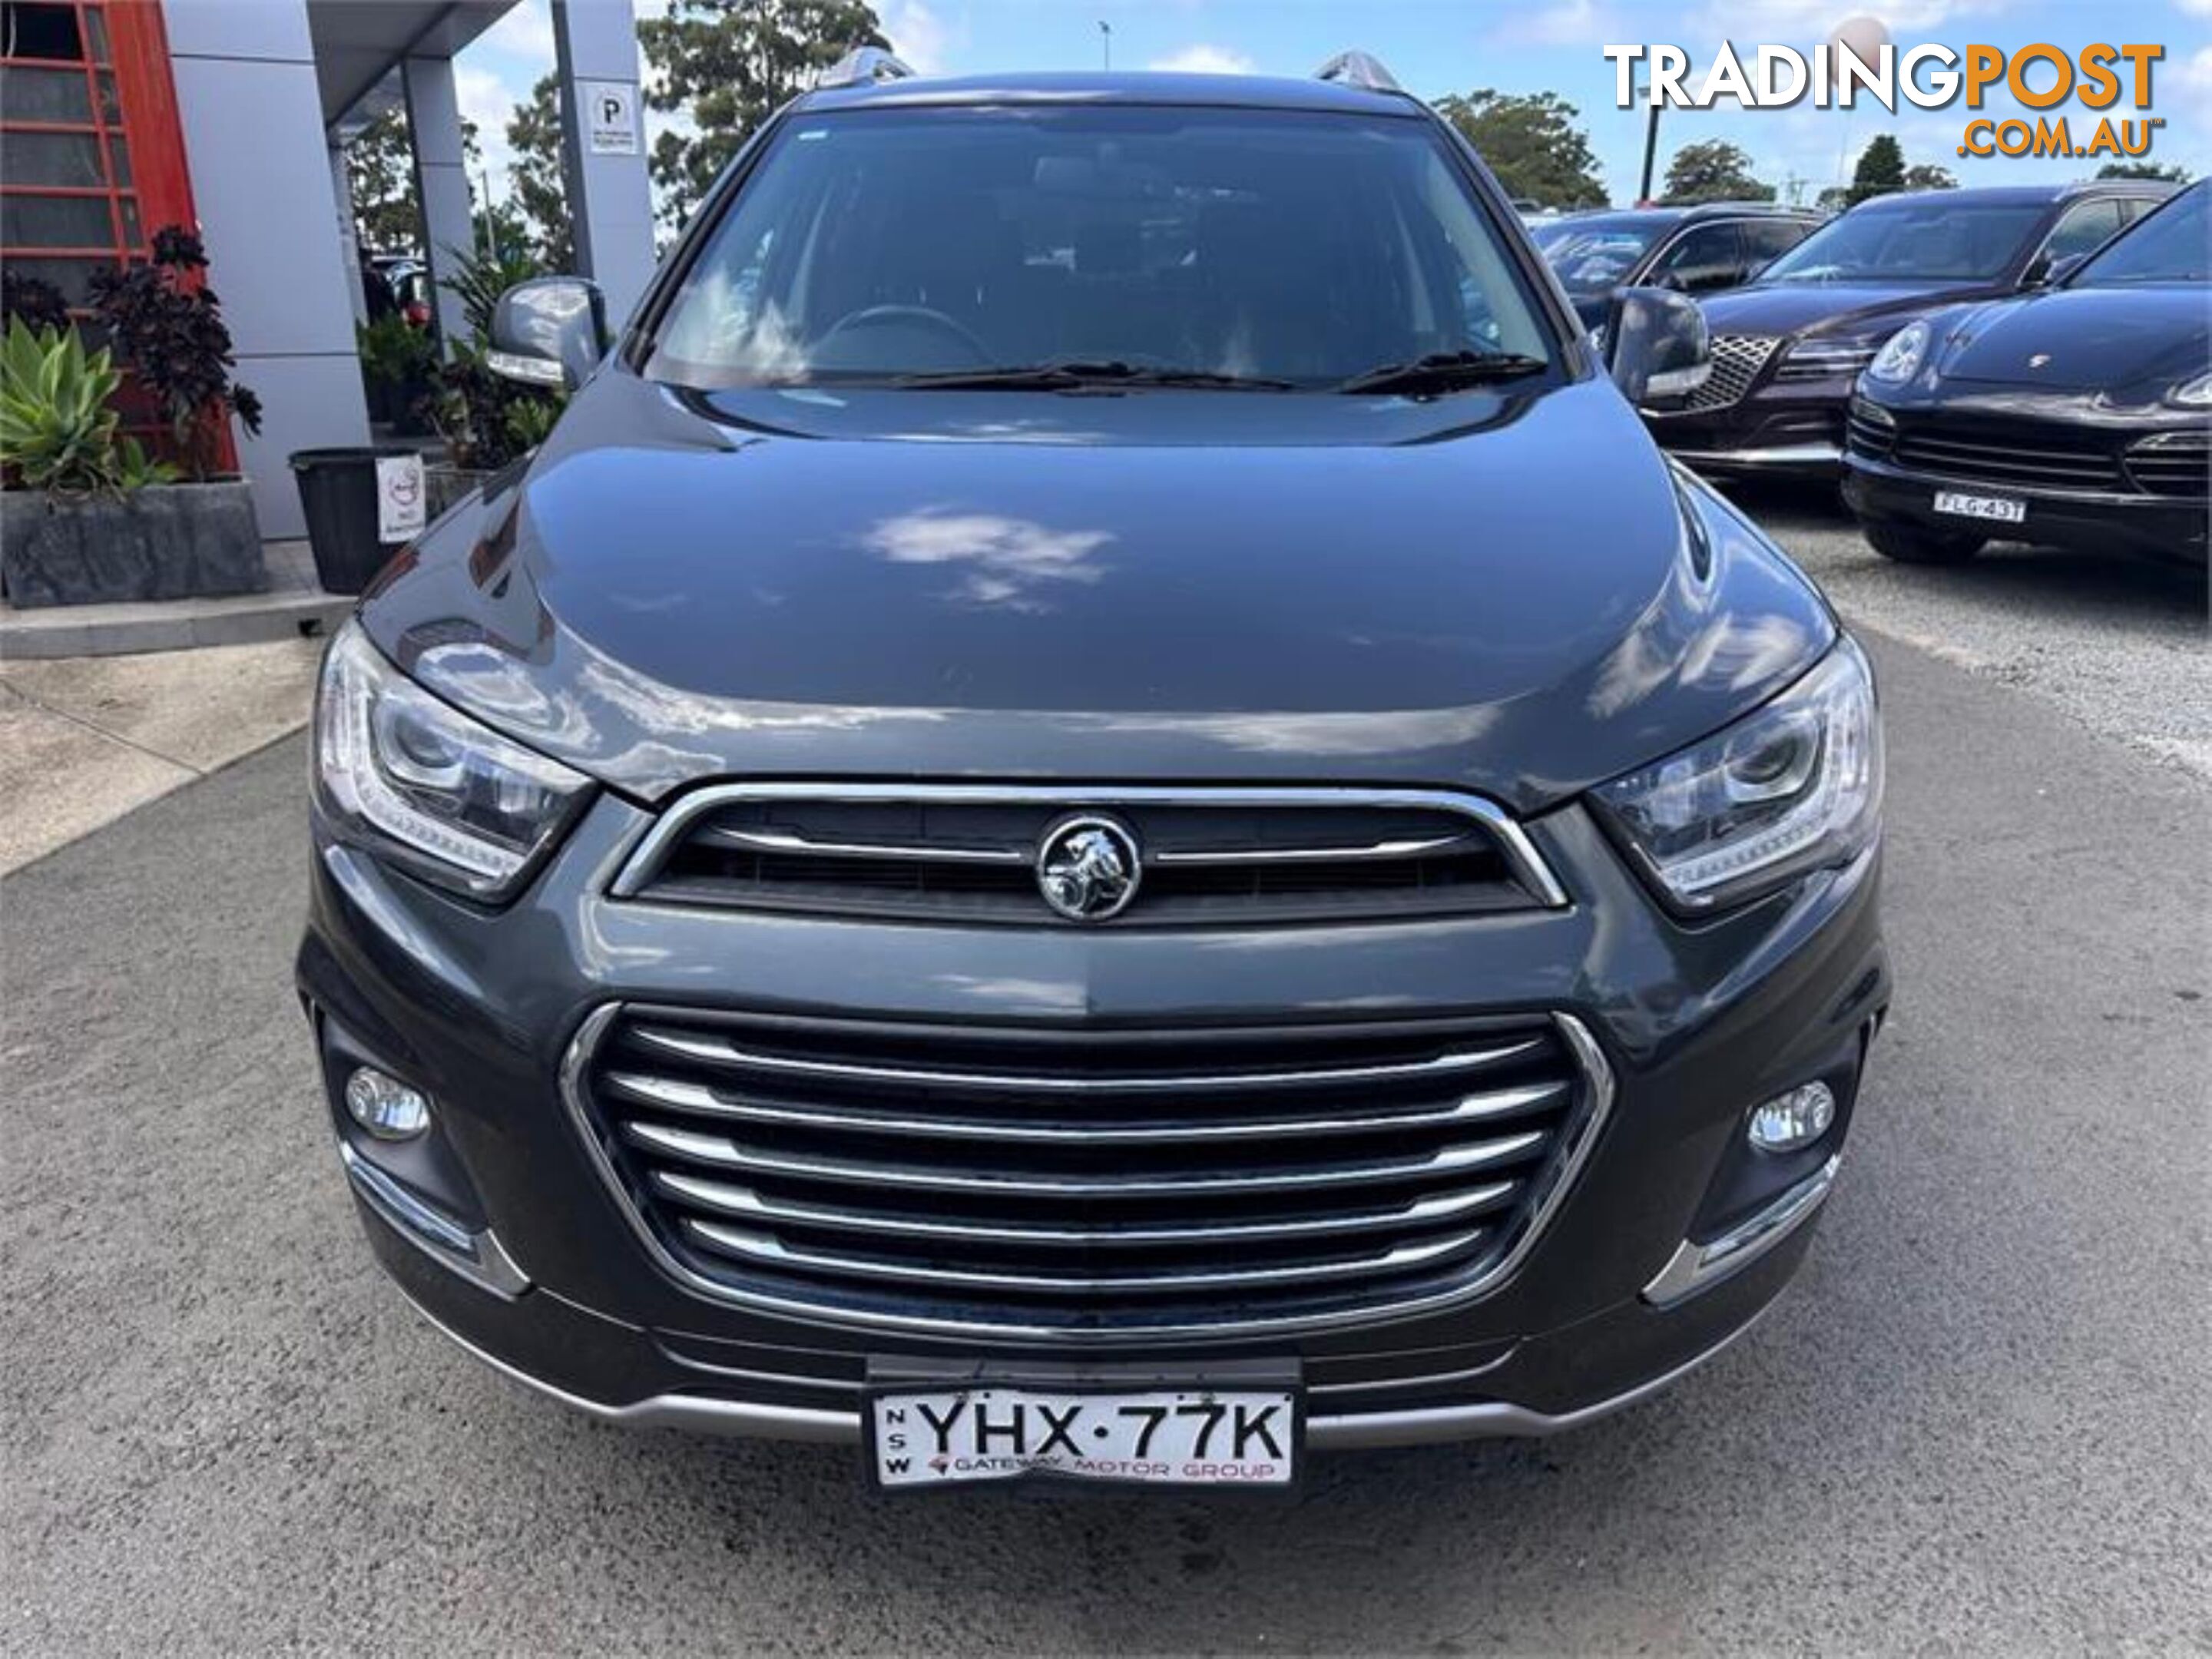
point(610, 198)
point(348, 238)
point(441, 182)
point(245, 75)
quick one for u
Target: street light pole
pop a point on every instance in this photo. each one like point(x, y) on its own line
point(1650, 147)
point(1106, 44)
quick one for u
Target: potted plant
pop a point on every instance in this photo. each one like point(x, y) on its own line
point(90, 518)
point(85, 517)
point(487, 421)
point(397, 361)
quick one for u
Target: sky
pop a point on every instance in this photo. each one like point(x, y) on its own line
point(1440, 46)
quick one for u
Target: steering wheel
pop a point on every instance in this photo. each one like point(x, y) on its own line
point(909, 316)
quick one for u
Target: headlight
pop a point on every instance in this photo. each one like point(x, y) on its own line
point(2192, 394)
point(1790, 787)
point(1821, 360)
point(1899, 359)
point(427, 787)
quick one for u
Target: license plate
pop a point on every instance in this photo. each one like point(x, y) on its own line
point(2000, 509)
point(1160, 1437)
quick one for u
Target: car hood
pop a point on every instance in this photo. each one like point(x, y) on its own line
point(2115, 339)
point(1511, 594)
point(1835, 310)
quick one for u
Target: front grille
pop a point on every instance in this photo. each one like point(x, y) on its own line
point(2042, 457)
point(1869, 431)
point(969, 853)
point(1073, 1181)
point(1737, 360)
point(2174, 464)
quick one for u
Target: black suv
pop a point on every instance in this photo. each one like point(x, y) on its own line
point(1787, 347)
point(1695, 250)
point(1054, 831)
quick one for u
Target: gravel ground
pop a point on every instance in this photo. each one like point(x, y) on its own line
point(2119, 644)
point(1979, 1422)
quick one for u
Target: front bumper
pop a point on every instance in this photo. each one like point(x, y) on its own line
point(1779, 429)
point(2166, 528)
point(1698, 1024)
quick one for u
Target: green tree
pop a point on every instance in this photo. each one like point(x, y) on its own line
point(539, 196)
point(1927, 175)
point(730, 64)
point(2171, 174)
point(380, 173)
point(1713, 170)
point(1880, 169)
point(1533, 141)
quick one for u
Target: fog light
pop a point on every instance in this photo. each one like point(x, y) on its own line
point(1797, 1119)
point(385, 1106)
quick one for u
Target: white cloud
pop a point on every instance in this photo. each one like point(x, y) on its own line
point(526, 31)
point(1204, 60)
point(487, 100)
point(2197, 73)
point(917, 35)
point(2196, 8)
point(1565, 23)
point(1782, 20)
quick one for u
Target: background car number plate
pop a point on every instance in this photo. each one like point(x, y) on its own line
point(1173, 1438)
point(2001, 509)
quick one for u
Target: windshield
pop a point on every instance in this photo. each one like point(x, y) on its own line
point(1258, 246)
point(1592, 258)
point(2174, 245)
point(1927, 241)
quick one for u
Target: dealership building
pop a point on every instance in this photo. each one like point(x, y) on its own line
point(120, 117)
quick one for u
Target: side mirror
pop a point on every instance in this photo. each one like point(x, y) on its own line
point(1656, 346)
point(2044, 271)
point(549, 330)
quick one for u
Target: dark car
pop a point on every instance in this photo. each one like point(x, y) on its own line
point(1787, 347)
point(1694, 250)
point(2075, 417)
point(1053, 832)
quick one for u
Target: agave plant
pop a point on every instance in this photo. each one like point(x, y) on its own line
point(481, 277)
point(56, 423)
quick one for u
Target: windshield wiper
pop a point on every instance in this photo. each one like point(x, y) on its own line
point(1076, 374)
point(1442, 371)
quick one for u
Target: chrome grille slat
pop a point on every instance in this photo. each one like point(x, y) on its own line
point(720, 1051)
point(726, 1200)
point(768, 841)
point(1208, 856)
point(1408, 848)
point(930, 1178)
point(763, 1248)
point(721, 1152)
point(680, 1095)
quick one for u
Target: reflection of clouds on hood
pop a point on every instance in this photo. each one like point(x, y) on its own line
point(490, 682)
point(1381, 731)
point(667, 709)
point(1004, 560)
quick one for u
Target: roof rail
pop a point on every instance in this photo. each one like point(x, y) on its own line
point(864, 66)
point(1359, 69)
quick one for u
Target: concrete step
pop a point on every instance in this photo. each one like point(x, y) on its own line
point(294, 606)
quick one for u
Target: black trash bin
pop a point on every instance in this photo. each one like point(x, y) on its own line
point(337, 493)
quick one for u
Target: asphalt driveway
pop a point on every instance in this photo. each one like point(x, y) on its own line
point(1979, 1421)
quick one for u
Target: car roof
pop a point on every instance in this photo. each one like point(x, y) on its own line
point(2010, 195)
point(1146, 87)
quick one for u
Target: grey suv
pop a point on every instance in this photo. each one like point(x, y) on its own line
point(1097, 813)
